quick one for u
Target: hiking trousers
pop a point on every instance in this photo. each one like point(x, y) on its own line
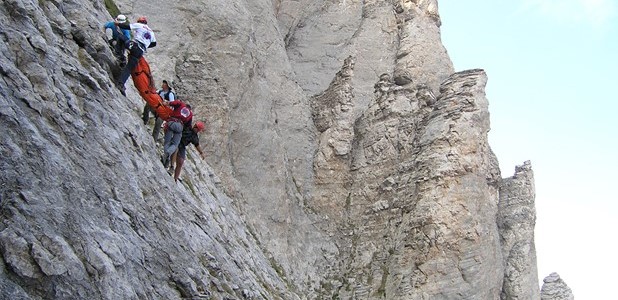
point(136, 50)
point(172, 137)
point(135, 53)
point(118, 47)
point(156, 131)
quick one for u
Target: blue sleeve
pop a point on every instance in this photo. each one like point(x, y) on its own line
point(109, 25)
point(127, 33)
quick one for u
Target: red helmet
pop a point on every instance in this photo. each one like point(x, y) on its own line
point(199, 125)
point(142, 20)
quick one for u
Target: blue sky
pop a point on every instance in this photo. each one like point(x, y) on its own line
point(552, 91)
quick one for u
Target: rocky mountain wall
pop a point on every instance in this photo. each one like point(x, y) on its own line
point(252, 68)
point(86, 209)
point(422, 181)
point(345, 158)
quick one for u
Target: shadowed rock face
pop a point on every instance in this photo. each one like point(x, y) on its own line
point(345, 159)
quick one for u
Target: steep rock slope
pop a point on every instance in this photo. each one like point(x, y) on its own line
point(357, 159)
point(385, 36)
point(251, 68)
point(87, 211)
point(232, 66)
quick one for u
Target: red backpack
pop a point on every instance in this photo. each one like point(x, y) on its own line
point(181, 112)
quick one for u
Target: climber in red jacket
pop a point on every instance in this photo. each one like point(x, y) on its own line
point(181, 117)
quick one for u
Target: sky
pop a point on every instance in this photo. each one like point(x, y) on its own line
point(553, 92)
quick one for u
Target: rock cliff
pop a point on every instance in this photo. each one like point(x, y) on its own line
point(87, 210)
point(345, 159)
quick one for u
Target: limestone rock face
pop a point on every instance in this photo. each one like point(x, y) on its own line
point(415, 213)
point(516, 220)
point(385, 36)
point(86, 209)
point(230, 63)
point(345, 158)
point(554, 288)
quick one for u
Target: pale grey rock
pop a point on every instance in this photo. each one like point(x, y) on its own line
point(322, 39)
point(321, 34)
point(414, 206)
point(15, 251)
point(88, 212)
point(333, 116)
point(516, 220)
point(421, 57)
point(230, 64)
point(332, 108)
point(439, 208)
point(54, 256)
point(344, 158)
point(554, 288)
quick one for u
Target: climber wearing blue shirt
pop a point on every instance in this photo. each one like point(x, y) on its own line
point(116, 40)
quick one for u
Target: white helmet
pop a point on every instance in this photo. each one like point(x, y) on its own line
point(121, 18)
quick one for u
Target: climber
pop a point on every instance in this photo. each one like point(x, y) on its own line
point(167, 95)
point(180, 117)
point(190, 135)
point(116, 42)
point(143, 38)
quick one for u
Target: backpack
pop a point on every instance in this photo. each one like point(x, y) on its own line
point(186, 115)
point(182, 112)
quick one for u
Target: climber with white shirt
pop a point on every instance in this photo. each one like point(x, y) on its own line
point(143, 38)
